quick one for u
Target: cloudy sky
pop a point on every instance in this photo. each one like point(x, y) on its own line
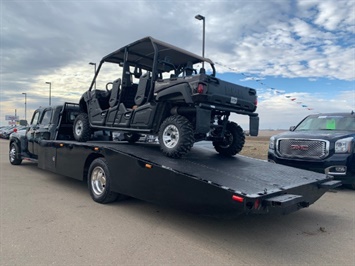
point(299, 55)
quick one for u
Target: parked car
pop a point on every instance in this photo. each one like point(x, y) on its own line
point(4, 131)
point(321, 142)
point(7, 131)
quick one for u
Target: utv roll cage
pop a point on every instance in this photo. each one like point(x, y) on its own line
point(153, 56)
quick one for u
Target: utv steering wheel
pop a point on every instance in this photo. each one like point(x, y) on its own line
point(108, 83)
point(111, 83)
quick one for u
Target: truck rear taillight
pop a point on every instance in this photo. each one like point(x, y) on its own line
point(200, 88)
point(237, 198)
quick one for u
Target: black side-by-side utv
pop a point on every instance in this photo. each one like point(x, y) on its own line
point(158, 91)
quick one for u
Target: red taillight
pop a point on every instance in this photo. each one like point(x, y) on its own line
point(200, 88)
point(257, 204)
point(15, 129)
point(237, 198)
point(256, 101)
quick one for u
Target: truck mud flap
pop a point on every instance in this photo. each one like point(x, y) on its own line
point(285, 200)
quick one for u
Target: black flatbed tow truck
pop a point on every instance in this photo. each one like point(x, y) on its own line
point(203, 181)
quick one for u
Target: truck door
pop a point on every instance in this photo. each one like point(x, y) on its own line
point(31, 131)
point(41, 132)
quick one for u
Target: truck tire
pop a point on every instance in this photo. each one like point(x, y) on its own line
point(81, 128)
point(131, 137)
point(233, 140)
point(14, 154)
point(99, 182)
point(176, 136)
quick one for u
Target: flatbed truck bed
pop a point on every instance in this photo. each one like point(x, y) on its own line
point(202, 182)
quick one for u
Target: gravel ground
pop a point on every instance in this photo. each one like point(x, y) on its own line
point(257, 147)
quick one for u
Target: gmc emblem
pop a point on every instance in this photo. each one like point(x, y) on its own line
point(299, 147)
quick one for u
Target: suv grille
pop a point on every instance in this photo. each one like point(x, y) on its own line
point(301, 148)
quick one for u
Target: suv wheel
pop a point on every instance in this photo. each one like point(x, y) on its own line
point(81, 128)
point(233, 140)
point(176, 136)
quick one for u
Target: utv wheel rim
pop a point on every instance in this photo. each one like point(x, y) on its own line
point(171, 136)
point(227, 140)
point(98, 181)
point(78, 128)
point(12, 154)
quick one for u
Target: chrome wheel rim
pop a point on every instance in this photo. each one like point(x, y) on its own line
point(171, 136)
point(98, 181)
point(12, 154)
point(78, 128)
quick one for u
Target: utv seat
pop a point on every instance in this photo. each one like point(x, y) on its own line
point(142, 90)
point(127, 96)
point(189, 70)
point(115, 93)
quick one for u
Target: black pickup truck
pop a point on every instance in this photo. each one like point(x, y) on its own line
point(323, 143)
point(202, 182)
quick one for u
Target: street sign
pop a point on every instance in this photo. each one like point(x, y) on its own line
point(11, 117)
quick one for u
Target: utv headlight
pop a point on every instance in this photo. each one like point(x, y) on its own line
point(343, 145)
point(272, 143)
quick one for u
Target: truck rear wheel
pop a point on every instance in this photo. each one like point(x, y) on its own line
point(233, 140)
point(176, 136)
point(81, 128)
point(99, 182)
point(14, 154)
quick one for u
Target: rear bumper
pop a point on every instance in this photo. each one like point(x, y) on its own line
point(253, 117)
point(212, 106)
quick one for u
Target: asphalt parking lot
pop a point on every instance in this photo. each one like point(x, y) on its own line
point(48, 219)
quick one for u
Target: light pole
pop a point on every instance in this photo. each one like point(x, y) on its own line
point(94, 64)
point(24, 93)
point(50, 91)
point(200, 17)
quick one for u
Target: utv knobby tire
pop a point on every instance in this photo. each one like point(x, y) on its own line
point(99, 182)
point(81, 128)
point(176, 136)
point(14, 154)
point(131, 137)
point(233, 140)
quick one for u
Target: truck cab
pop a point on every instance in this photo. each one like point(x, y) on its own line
point(47, 123)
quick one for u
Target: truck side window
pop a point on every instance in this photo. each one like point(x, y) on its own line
point(46, 117)
point(35, 119)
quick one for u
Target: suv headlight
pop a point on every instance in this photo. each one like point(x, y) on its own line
point(272, 143)
point(343, 145)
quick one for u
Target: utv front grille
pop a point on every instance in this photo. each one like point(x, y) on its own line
point(303, 148)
